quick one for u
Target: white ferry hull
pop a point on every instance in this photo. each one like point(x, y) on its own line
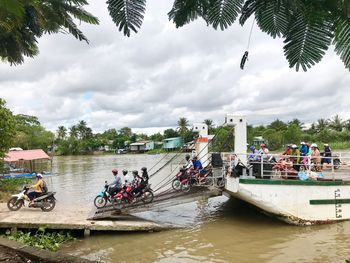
point(296, 202)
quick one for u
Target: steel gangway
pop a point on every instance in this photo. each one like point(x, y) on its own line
point(162, 200)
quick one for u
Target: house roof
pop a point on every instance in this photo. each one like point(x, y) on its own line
point(172, 139)
point(139, 143)
point(27, 155)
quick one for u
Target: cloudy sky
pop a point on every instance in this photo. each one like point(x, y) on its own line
point(153, 78)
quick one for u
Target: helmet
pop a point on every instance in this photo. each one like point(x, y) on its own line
point(262, 145)
point(308, 144)
point(302, 143)
point(194, 157)
point(135, 172)
point(125, 172)
point(39, 175)
point(144, 169)
point(325, 145)
point(187, 156)
point(314, 145)
point(115, 171)
point(252, 148)
point(294, 146)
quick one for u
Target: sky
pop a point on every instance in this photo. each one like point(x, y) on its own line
point(150, 80)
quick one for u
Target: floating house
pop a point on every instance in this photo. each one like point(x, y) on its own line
point(173, 143)
point(141, 146)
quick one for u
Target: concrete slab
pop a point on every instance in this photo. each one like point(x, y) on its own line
point(71, 218)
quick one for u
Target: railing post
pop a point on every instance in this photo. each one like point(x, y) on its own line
point(332, 163)
point(262, 166)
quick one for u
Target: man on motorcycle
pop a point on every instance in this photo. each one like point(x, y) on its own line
point(189, 163)
point(116, 185)
point(38, 188)
point(127, 177)
point(327, 154)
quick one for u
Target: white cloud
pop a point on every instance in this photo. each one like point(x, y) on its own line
point(155, 77)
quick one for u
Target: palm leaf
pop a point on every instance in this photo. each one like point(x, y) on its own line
point(342, 41)
point(73, 29)
point(13, 7)
point(223, 13)
point(272, 17)
point(127, 14)
point(79, 13)
point(307, 40)
point(248, 9)
point(185, 11)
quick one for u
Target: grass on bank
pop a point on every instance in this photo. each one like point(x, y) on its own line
point(9, 186)
point(41, 238)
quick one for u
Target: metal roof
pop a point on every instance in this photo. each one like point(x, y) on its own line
point(27, 155)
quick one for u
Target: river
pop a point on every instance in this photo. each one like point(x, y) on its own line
point(220, 230)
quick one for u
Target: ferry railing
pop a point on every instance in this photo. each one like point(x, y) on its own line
point(332, 167)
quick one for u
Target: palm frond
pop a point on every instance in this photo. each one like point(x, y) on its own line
point(13, 7)
point(79, 13)
point(223, 13)
point(342, 41)
point(272, 17)
point(307, 40)
point(248, 9)
point(185, 11)
point(127, 14)
point(73, 29)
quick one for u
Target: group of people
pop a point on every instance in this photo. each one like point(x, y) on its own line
point(293, 156)
point(138, 182)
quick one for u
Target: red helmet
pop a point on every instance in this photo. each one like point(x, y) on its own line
point(115, 171)
point(262, 145)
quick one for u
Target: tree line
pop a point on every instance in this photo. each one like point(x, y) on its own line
point(27, 132)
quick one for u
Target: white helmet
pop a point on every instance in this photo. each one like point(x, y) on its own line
point(302, 143)
point(39, 175)
point(326, 144)
point(313, 145)
point(294, 146)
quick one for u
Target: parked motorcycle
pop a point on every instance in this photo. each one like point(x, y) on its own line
point(103, 197)
point(127, 197)
point(336, 160)
point(46, 201)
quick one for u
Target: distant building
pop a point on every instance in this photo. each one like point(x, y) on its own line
point(258, 140)
point(173, 143)
point(141, 146)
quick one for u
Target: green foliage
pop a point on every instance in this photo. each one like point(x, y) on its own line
point(22, 22)
point(307, 27)
point(7, 128)
point(170, 133)
point(41, 238)
point(12, 184)
point(30, 134)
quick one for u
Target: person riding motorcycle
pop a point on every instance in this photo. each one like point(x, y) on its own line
point(116, 185)
point(127, 177)
point(144, 175)
point(189, 162)
point(38, 187)
point(327, 154)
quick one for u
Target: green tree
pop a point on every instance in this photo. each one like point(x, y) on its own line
point(170, 133)
point(126, 131)
point(277, 125)
point(293, 134)
point(210, 125)
point(336, 123)
point(182, 124)
point(307, 27)
point(7, 128)
point(61, 133)
point(322, 124)
point(22, 22)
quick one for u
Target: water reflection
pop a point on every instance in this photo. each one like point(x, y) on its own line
point(220, 230)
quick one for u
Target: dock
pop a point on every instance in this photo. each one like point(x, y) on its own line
point(72, 218)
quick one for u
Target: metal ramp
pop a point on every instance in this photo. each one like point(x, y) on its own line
point(162, 200)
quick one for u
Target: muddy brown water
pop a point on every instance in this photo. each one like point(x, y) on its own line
point(220, 230)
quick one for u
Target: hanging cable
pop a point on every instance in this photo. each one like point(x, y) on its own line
point(245, 56)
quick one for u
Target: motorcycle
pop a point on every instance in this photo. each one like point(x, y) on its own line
point(46, 201)
point(179, 178)
point(103, 197)
point(336, 160)
point(204, 178)
point(127, 197)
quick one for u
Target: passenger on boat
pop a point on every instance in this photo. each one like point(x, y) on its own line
point(315, 157)
point(255, 156)
point(263, 149)
point(303, 149)
point(327, 154)
point(295, 157)
point(288, 150)
point(116, 185)
point(38, 186)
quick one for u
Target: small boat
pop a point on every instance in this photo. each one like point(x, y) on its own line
point(25, 163)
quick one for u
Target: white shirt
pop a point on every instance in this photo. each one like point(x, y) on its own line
point(128, 179)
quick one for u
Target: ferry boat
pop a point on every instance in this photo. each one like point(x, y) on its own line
point(322, 198)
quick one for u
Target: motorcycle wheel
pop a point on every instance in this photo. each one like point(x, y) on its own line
point(13, 204)
point(336, 164)
point(147, 197)
point(48, 204)
point(220, 182)
point(117, 203)
point(176, 184)
point(208, 181)
point(100, 202)
point(185, 187)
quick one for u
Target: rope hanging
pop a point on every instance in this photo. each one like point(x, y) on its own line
point(245, 56)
